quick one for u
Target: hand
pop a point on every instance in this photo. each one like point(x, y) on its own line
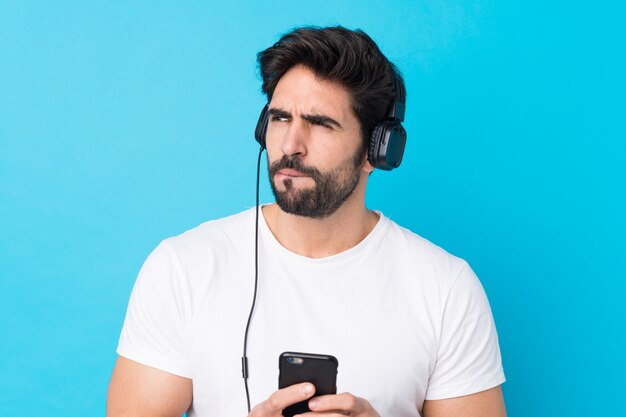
point(340, 405)
point(283, 398)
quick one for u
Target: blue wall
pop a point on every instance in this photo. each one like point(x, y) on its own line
point(122, 124)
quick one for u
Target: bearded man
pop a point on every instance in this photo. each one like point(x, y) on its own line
point(409, 323)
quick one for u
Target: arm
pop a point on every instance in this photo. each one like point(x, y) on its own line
point(489, 403)
point(139, 390)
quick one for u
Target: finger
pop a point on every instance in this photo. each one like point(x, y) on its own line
point(324, 414)
point(345, 402)
point(283, 398)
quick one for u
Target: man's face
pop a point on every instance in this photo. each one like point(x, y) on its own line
point(314, 145)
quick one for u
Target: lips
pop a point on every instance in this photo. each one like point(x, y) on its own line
point(290, 173)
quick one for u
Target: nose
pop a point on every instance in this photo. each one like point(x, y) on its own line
point(295, 138)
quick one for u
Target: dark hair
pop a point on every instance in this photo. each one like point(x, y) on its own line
point(350, 58)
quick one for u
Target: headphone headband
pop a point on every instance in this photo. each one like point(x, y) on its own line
point(398, 105)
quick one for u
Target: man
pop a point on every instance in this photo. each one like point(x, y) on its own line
point(409, 323)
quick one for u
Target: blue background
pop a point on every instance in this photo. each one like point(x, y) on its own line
point(124, 123)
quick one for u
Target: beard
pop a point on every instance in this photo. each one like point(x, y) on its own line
point(331, 189)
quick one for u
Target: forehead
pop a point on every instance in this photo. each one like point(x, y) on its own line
point(301, 91)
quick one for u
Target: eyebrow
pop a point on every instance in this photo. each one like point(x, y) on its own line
point(314, 118)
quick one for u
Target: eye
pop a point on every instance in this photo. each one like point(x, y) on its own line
point(279, 119)
point(322, 124)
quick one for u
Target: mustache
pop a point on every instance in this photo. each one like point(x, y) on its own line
point(294, 163)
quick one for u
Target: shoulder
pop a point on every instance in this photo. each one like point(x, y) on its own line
point(447, 281)
point(430, 262)
point(196, 252)
point(215, 233)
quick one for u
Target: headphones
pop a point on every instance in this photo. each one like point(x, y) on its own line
point(387, 138)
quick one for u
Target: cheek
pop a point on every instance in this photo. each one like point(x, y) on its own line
point(342, 156)
point(329, 153)
point(270, 143)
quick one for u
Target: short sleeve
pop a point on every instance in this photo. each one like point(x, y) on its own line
point(156, 327)
point(468, 356)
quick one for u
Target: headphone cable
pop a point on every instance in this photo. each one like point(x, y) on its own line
point(244, 359)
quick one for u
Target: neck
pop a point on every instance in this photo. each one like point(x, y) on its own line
point(318, 238)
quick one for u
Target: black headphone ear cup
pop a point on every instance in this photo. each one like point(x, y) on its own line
point(374, 144)
point(261, 126)
point(387, 143)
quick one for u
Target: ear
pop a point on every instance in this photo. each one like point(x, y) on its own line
point(367, 167)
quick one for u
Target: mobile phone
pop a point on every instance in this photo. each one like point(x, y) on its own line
point(297, 367)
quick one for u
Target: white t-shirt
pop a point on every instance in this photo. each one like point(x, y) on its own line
point(406, 320)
